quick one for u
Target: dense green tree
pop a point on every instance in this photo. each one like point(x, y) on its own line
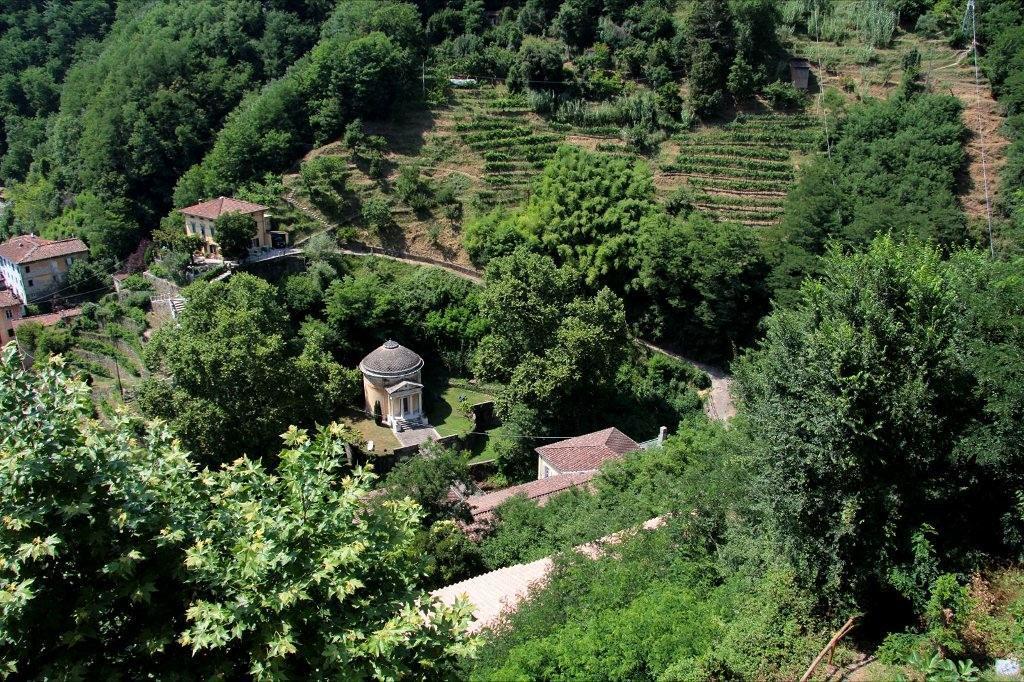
point(576, 22)
point(94, 539)
point(553, 344)
point(705, 281)
point(655, 607)
point(877, 408)
point(325, 179)
point(37, 46)
point(585, 210)
point(449, 555)
point(425, 308)
point(238, 379)
point(428, 479)
point(104, 226)
point(361, 67)
point(893, 169)
point(539, 65)
point(235, 232)
point(339, 601)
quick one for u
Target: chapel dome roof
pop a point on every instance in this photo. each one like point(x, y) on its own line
point(390, 360)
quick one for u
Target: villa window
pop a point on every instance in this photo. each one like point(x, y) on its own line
point(9, 314)
point(31, 283)
point(28, 269)
point(68, 260)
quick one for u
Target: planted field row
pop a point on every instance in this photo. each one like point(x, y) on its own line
point(507, 180)
point(725, 170)
point(783, 168)
point(744, 151)
point(765, 216)
point(774, 124)
point(481, 124)
point(793, 138)
point(526, 152)
point(498, 141)
point(752, 212)
point(738, 184)
point(738, 201)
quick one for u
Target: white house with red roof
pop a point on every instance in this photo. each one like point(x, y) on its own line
point(583, 453)
point(201, 220)
point(33, 267)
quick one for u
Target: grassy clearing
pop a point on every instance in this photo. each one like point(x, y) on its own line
point(446, 406)
point(384, 440)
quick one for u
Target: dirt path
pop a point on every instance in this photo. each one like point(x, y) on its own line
point(412, 259)
point(983, 116)
point(720, 404)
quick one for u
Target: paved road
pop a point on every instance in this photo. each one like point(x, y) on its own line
point(720, 404)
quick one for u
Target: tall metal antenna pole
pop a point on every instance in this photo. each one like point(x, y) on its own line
point(971, 14)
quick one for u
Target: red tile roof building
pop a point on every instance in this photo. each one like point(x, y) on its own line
point(201, 219)
point(583, 453)
point(10, 312)
point(49, 319)
point(28, 248)
point(33, 267)
point(215, 208)
point(482, 506)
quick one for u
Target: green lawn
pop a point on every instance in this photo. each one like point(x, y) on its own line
point(445, 404)
point(384, 441)
point(479, 446)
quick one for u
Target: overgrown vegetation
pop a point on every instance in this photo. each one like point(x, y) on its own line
point(620, 172)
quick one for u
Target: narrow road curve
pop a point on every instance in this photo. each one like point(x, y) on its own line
point(720, 404)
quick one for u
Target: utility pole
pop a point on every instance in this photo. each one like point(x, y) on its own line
point(971, 17)
point(117, 367)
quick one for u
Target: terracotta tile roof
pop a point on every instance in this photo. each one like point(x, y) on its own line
point(501, 591)
point(214, 208)
point(589, 451)
point(8, 299)
point(28, 248)
point(49, 319)
point(481, 506)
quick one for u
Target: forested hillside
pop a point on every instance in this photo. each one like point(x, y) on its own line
point(775, 245)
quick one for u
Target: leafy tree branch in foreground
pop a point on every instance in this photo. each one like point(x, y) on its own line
point(120, 559)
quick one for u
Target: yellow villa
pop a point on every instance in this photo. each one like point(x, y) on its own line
point(201, 220)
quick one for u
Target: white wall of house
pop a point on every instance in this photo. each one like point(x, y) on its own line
point(32, 281)
point(545, 469)
point(11, 275)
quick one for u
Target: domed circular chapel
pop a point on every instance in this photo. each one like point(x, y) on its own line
point(392, 380)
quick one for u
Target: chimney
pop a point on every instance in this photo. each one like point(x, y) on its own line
point(662, 432)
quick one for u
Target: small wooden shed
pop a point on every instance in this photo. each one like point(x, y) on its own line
point(800, 73)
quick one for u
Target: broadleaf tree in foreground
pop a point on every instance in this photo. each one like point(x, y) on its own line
point(120, 559)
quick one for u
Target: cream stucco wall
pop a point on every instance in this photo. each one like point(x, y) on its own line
point(8, 315)
point(545, 469)
point(375, 388)
point(32, 281)
point(206, 229)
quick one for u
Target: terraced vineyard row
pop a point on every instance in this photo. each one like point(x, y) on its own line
point(742, 171)
point(513, 149)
